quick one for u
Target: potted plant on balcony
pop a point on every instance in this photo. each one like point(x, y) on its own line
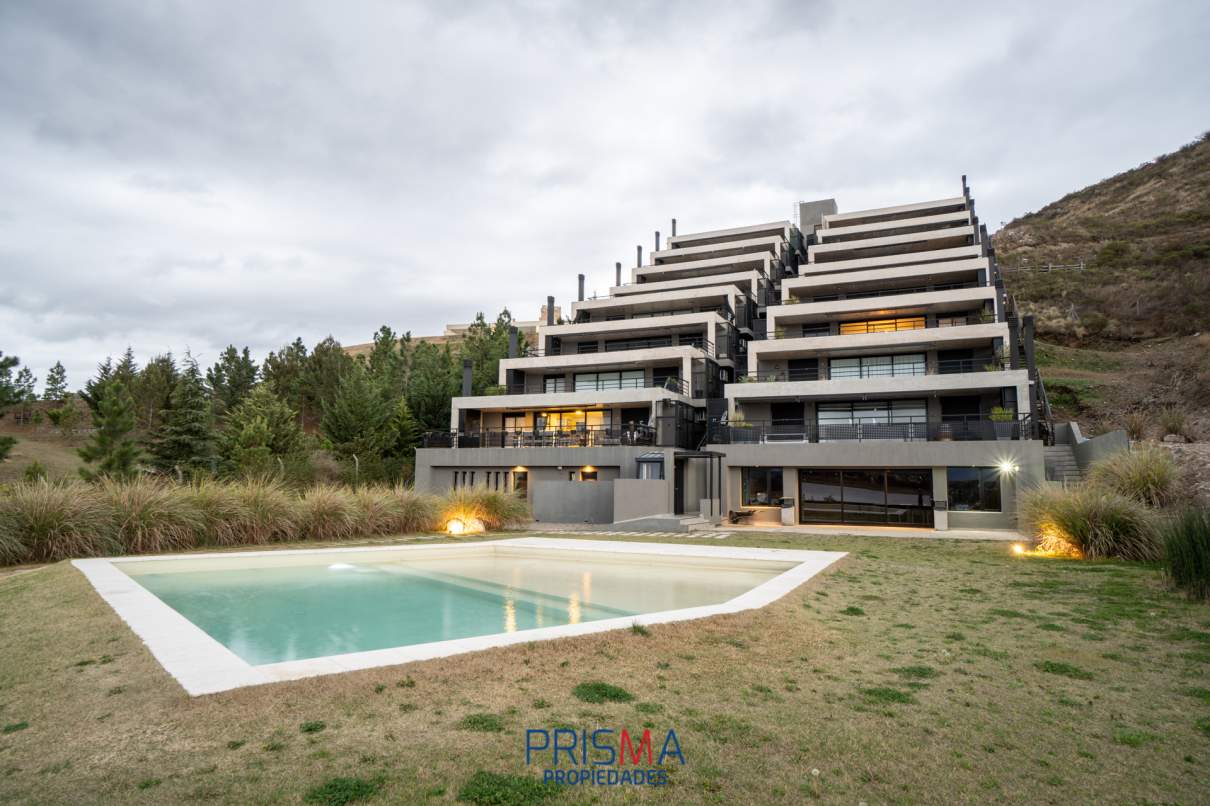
point(1004, 422)
point(996, 363)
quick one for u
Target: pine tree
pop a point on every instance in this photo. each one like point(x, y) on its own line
point(324, 374)
point(386, 362)
point(231, 378)
point(111, 448)
point(126, 370)
point(184, 440)
point(403, 438)
point(152, 389)
point(259, 430)
point(94, 388)
point(9, 394)
point(26, 384)
point(56, 383)
point(356, 421)
point(484, 345)
point(284, 371)
point(432, 383)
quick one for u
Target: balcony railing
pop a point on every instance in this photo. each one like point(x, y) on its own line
point(880, 327)
point(908, 429)
point(541, 387)
point(952, 367)
point(961, 365)
point(582, 437)
point(700, 343)
point(886, 292)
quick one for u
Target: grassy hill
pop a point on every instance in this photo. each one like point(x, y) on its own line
point(1129, 331)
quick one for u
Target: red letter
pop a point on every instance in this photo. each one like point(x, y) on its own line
point(627, 748)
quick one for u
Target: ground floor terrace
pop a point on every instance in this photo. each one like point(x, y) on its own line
point(914, 671)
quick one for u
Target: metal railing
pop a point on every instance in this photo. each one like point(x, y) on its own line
point(951, 367)
point(881, 327)
point(700, 343)
point(580, 437)
point(886, 292)
point(541, 387)
point(908, 429)
point(961, 365)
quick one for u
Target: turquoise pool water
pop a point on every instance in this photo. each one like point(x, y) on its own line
point(267, 613)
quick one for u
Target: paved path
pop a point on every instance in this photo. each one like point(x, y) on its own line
point(589, 530)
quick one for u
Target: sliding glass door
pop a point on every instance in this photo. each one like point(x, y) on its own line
point(893, 497)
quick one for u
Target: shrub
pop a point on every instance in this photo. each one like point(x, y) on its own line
point(495, 509)
point(339, 791)
point(152, 516)
point(418, 512)
point(34, 471)
point(596, 692)
point(271, 511)
point(225, 515)
point(1173, 421)
point(1186, 541)
point(501, 789)
point(397, 510)
point(1136, 425)
point(1149, 475)
point(327, 512)
point(1089, 521)
point(46, 522)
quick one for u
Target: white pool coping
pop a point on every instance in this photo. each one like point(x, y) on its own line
point(202, 665)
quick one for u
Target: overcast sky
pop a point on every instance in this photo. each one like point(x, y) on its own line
point(187, 175)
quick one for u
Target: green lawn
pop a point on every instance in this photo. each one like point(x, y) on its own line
point(914, 671)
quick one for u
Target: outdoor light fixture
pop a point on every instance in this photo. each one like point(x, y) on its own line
point(1018, 549)
point(1008, 466)
point(455, 527)
point(463, 526)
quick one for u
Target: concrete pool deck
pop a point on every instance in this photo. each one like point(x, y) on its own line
point(202, 665)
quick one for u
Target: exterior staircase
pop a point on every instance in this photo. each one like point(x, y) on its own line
point(1061, 465)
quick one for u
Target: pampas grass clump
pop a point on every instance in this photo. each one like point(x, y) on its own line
point(44, 521)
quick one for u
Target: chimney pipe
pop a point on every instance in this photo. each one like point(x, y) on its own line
point(674, 228)
point(467, 377)
point(512, 341)
point(617, 267)
point(550, 311)
point(581, 277)
point(638, 259)
point(657, 240)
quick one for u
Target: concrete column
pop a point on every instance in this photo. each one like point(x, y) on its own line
point(940, 493)
point(789, 487)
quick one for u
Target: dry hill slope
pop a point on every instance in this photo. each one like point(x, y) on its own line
point(1131, 332)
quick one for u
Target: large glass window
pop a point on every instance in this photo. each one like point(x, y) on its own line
point(974, 489)
point(554, 383)
point(874, 366)
point(882, 325)
point(762, 486)
point(874, 495)
point(598, 381)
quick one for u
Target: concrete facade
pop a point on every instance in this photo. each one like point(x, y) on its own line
point(876, 343)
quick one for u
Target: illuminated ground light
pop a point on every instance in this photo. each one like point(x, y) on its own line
point(464, 526)
point(1018, 549)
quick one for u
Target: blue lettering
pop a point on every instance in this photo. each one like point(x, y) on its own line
point(671, 738)
point(569, 749)
point(529, 745)
point(598, 745)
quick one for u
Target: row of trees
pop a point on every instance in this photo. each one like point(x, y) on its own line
point(241, 417)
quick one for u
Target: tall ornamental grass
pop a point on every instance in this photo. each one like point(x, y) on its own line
point(1089, 521)
point(495, 510)
point(1186, 540)
point(151, 516)
point(1148, 475)
point(43, 521)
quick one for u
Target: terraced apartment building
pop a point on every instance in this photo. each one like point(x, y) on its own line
point(863, 367)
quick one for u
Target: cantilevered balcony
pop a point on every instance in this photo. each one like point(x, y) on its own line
point(725, 300)
point(880, 215)
point(882, 246)
point(894, 259)
point(954, 428)
point(780, 229)
point(948, 334)
point(770, 245)
point(896, 304)
point(791, 384)
point(760, 262)
point(882, 229)
point(885, 282)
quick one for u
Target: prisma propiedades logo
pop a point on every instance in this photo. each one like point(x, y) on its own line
point(602, 757)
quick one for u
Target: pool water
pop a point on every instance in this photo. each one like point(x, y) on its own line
point(294, 609)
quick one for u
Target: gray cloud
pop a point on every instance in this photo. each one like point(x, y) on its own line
point(188, 175)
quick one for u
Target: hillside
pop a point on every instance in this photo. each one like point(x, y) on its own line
point(1131, 331)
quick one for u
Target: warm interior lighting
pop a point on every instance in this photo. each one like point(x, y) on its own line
point(587, 469)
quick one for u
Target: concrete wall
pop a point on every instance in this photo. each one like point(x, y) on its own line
point(1088, 451)
point(641, 498)
point(573, 501)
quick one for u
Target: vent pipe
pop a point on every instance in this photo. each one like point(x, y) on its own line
point(657, 240)
point(467, 377)
point(512, 341)
point(581, 289)
point(674, 228)
point(638, 256)
point(550, 311)
point(617, 268)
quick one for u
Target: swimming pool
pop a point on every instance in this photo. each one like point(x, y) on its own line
point(221, 621)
